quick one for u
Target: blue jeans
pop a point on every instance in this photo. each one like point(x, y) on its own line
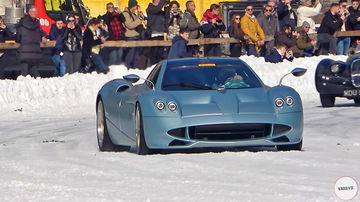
point(342, 45)
point(115, 56)
point(59, 63)
point(251, 50)
point(131, 54)
point(99, 63)
point(308, 52)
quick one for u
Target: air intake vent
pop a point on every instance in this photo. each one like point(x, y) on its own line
point(278, 129)
point(178, 132)
point(229, 131)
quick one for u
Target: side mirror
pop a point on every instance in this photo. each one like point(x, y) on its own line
point(132, 78)
point(296, 72)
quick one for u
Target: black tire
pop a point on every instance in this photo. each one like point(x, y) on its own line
point(357, 101)
point(141, 147)
point(327, 100)
point(290, 147)
point(104, 141)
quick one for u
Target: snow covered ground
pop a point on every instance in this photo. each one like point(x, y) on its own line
point(48, 149)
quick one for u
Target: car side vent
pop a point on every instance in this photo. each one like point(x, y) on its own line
point(177, 143)
point(122, 88)
point(281, 139)
point(278, 129)
point(178, 132)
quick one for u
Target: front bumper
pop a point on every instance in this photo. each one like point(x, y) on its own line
point(156, 130)
point(337, 86)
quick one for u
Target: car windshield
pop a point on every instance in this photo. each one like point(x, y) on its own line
point(209, 77)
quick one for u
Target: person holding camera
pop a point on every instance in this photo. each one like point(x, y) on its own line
point(286, 14)
point(91, 48)
point(279, 53)
point(134, 20)
point(157, 25)
point(114, 19)
point(305, 45)
point(251, 27)
point(211, 27)
point(343, 43)
point(173, 16)
point(5, 32)
point(72, 47)
point(306, 11)
point(331, 23)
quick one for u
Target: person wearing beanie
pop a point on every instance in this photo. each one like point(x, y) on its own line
point(305, 45)
point(307, 11)
point(134, 20)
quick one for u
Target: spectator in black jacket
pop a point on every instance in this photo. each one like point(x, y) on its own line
point(72, 48)
point(331, 23)
point(279, 53)
point(29, 34)
point(236, 32)
point(91, 48)
point(5, 33)
point(157, 25)
point(286, 14)
point(353, 21)
point(179, 45)
point(113, 18)
point(57, 53)
point(287, 37)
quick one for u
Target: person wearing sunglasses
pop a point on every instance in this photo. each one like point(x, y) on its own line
point(72, 48)
point(251, 27)
point(270, 25)
point(307, 11)
point(236, 32)
point(304, 44)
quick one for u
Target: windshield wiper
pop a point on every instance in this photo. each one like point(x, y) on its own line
point(191, 85)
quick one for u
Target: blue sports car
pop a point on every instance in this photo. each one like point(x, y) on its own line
point(197, 103)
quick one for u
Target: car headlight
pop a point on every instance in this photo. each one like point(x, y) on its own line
point(279, 102)
point(172, 106)
point(335, 68)
point(160, 105)
point(289, 100)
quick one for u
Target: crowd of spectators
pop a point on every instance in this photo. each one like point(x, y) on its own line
point(278, 32)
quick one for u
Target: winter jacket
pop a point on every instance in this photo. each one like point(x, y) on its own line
point(269, 24)
point(251, 27)
point(132, 21)
point(173, 23)
point(178, 48)
point(90, 43)
point(156, 18)
point(286, 16)
point(208, 16)
point(72, 39)
point(302, 42)
point(330, 24)
point(275, 57)
point(55, 35)
point(232, 33)
point(306, 13)
point(5, 34)
point(29, 34)
point(352, 23)
point(287, 39)
point(115, 21)
point(190, 21)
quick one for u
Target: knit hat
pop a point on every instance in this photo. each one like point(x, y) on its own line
point(304, 24)
point(303, 1)
point(132, 3)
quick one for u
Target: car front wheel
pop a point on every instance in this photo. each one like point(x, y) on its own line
point(103, 138)
point(291, 147)
point(141, 147)
point(327, 100)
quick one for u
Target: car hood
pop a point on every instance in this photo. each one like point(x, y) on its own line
point(229, 101)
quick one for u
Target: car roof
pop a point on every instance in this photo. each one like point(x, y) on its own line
point(196, 61)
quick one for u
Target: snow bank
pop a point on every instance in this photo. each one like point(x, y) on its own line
point(81, 89)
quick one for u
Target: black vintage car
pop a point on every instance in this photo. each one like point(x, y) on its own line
point(338, 79)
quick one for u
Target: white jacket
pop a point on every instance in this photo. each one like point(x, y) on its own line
point(305, 13)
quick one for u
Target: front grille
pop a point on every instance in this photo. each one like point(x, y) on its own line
point(229, 131)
